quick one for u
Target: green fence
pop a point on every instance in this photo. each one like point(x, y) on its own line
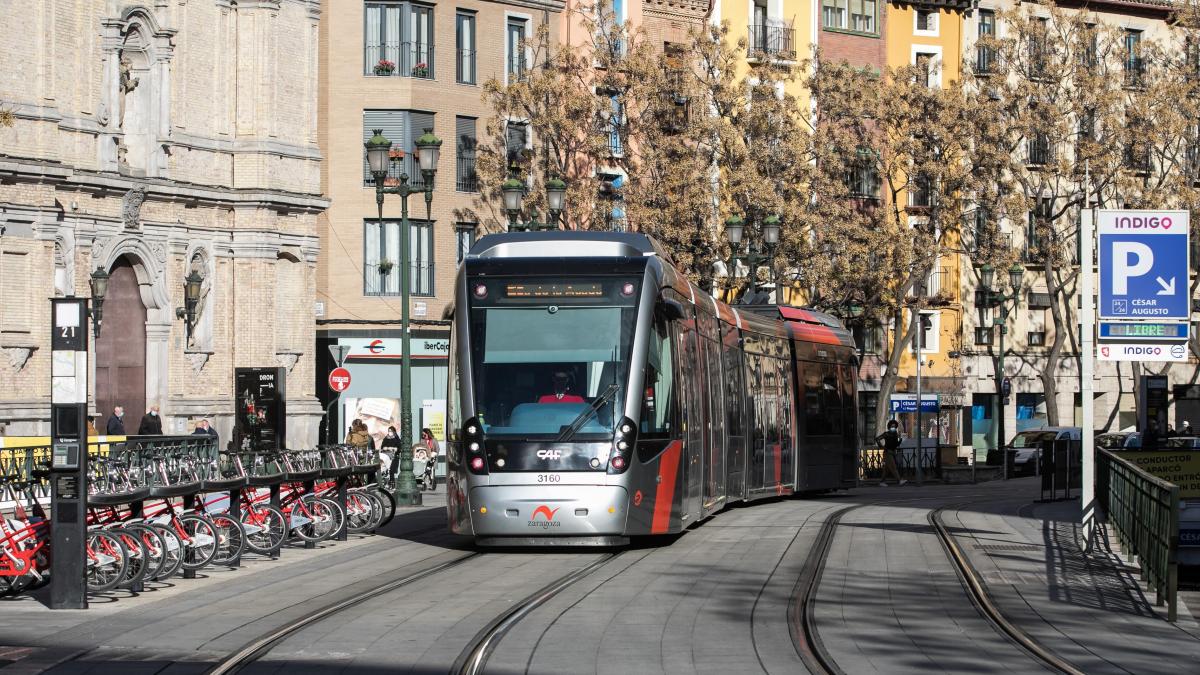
point(1143, 510)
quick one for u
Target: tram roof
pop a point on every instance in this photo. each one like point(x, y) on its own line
point(567, 244)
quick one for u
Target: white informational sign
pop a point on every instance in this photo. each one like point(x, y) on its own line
point(390, 348)
point(1126, 351)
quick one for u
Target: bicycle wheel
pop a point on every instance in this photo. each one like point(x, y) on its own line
point(338, 516)
point(377, 509)
point(231, 539)
point(155, 545)
point(311, 519)
point(360, 512)
point(200, 544)
point(135, 571)
point(107, 559)
point(172, 551)
point(266, 528)
point(388, 501)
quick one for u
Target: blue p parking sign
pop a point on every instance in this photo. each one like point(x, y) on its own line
point(1144, 265)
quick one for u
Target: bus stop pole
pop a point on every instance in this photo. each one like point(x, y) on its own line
point(1087, 369)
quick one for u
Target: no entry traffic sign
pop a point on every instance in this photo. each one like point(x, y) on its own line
point(1144, 265)
point(339, 379)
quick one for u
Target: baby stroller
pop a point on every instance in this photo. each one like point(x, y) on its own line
point(427, 476)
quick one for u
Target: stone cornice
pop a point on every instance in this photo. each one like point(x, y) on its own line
point(243, 146)
point(160, 189)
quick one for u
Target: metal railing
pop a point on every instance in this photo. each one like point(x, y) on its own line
point(378, 282)
point(466, 178)
point(1143, 511)
point(1135, 68)
point(871, 462)
point(409, 164)
point(776, 42)
point(405, 59)
point(517, 67)
point(465, 66)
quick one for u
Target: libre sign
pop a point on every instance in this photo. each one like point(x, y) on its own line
point(339, 379)
point(1143, 265)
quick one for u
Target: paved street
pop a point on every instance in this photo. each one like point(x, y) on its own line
point(717, 599)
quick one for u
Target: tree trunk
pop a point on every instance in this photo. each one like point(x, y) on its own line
point(887, 384)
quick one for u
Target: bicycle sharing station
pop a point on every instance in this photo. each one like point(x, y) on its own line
point(127, 510)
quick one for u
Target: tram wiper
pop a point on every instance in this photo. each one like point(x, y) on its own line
point(583, 417)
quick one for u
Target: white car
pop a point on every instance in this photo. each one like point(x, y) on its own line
point(1028, 445)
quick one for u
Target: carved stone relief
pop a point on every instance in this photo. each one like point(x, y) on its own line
point(131, 209)
point(18, 356)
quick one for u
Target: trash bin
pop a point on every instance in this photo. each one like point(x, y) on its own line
point(1010, 457)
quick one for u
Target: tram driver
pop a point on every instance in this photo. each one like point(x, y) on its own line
point(562, 390)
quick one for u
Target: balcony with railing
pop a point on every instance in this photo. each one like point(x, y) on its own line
point(1040, 151)
point(403, 59)
point(1135, 70)
point(985, 60)
point(936, 285)
point(464, 69)
point(466, 179)
point(518, 68)
point(408, 164)
point(772, 42)
point(385, 281)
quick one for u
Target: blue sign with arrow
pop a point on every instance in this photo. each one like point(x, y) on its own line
point(1144, 265)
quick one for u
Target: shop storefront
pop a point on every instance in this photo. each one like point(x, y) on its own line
point(374, 362)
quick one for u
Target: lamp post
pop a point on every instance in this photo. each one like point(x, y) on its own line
point(999, 301)
point(756, 254)
point(99, 284)
point(429, 149)
point(513, 190)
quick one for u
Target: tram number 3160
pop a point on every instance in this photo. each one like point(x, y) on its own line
point(549, 478)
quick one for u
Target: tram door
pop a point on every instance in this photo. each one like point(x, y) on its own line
point(714, 472)
point(693, 418)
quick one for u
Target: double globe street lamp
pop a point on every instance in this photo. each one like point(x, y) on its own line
point(514, 193)
point(378, 160)
point(756, 254)
point(996, 299)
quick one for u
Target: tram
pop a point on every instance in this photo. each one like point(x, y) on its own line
point(595, 394)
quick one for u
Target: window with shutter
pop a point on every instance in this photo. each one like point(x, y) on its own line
point(393, 124)
point(517, 139)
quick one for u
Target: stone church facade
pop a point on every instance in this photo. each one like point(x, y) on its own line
point(152, 139)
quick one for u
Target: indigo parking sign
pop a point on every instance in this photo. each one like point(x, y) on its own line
point(1143, 264)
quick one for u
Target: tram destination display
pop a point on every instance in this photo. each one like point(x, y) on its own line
point(554, 290)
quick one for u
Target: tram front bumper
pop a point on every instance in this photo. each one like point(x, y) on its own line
point(526, 511)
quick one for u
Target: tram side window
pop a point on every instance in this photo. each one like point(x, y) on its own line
point(831, 393)
point(658, 386)
point(849, 415)
point(815, 422)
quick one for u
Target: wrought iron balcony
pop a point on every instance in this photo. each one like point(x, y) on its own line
point(404, 59)
point(772, 42)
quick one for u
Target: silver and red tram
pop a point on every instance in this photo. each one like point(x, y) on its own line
point(596, 394)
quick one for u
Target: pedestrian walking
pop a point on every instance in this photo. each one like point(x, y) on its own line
point(151, 424)
point(391, 444)
point(890, 441)
point(116, 423)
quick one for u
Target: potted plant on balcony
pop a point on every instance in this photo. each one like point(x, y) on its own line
point(385, 67)
point(395, 154)
point(420, 70)
point(385, 266)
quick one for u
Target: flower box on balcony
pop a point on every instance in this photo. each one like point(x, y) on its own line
point(385, 67)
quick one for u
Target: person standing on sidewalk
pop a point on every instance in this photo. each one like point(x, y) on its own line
point(116, 423)
point(151, 424)
point(391, 443)
point(890, 441)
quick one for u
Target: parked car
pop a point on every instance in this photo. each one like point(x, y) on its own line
point(1184, 442)
point(1028, 446)
point(1119, 440)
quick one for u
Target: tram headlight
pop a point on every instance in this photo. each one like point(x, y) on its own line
point(474, 447)
point(622, 446)
point(472, 429)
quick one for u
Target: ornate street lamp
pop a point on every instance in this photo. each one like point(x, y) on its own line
point(99, 284)
point(756, 252)
point(192, 284)
point(378, 158)
point(513, 190)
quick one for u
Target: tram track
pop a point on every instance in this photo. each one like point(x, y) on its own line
point(258, 647)
point(802, 616)
point(473, 659)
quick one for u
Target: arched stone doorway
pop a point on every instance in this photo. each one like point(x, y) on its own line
point(121, 348)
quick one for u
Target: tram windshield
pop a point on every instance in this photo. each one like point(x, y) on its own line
point(550, 356)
